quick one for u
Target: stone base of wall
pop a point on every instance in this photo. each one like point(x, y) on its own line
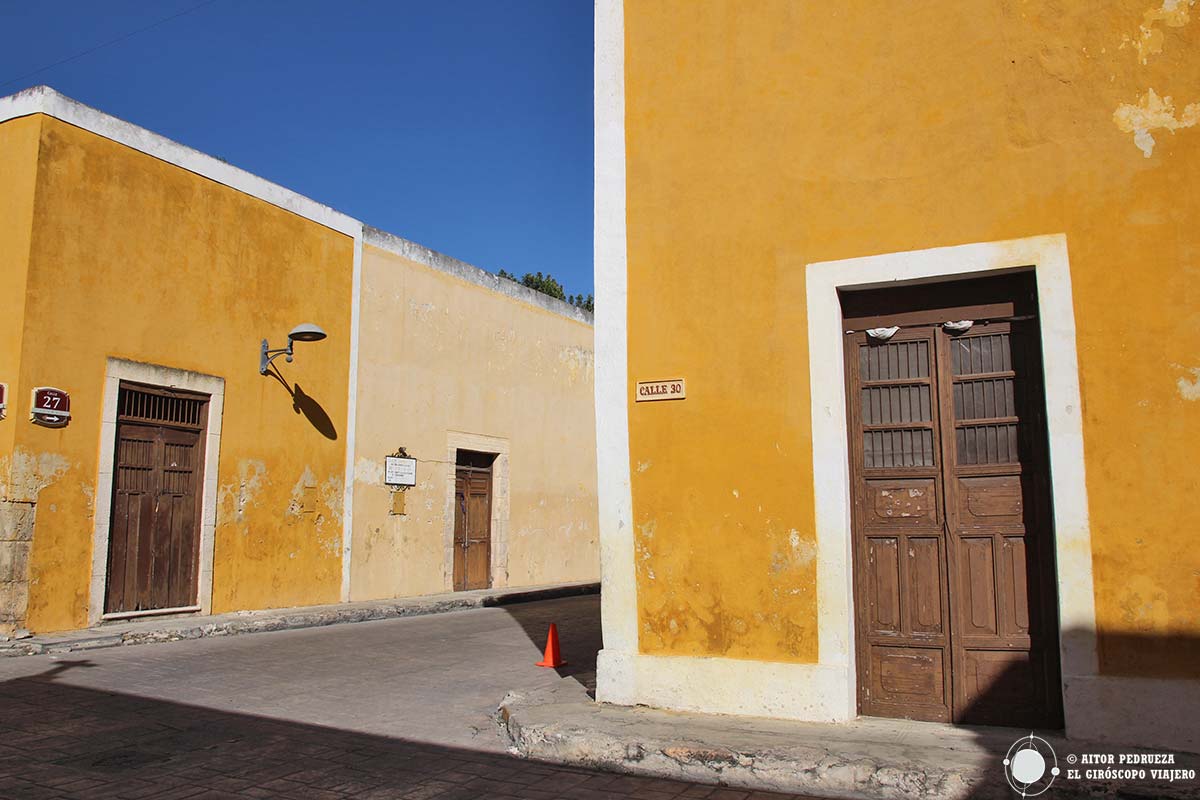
point(16, 537)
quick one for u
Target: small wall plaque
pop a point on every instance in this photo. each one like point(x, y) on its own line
point(3, 400)
point(399, 471)
point(674, 389)
point(51, 407)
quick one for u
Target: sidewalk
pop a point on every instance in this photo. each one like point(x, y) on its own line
point(865, 758)
point(194, 626)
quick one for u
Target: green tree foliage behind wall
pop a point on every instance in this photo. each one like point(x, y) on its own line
point(546, 284)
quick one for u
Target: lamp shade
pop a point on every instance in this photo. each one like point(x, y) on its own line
point(307, 332)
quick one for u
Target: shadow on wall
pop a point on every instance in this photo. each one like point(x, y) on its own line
point(313, 412)
point(1002, 743)
point(62, 740)
point(306, 405)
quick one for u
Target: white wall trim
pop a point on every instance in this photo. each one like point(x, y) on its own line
point(618, 607)
point(1048, 256)
point(460, 440)
point(810, 692)
point(44, 100)
point(117, 370)
point(351, 416)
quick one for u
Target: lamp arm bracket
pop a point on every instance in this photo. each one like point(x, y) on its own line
point(267, 355)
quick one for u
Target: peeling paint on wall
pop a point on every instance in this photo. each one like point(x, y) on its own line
point(1150, 37)
point(579, 363)
point(330, 493)
point(1153, 113)
point(803, 551)
point(234, 498)
point(368, 471)
point(302, 494)
point(22, 479)
point(26, 474)
point(1189, 388)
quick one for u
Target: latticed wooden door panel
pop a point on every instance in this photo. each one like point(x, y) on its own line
point(954, 598)
point(1005, 626)
point(904, 646)
point(158, 481)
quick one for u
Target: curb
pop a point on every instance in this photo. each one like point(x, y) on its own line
point(244, 622)
point(836, 760)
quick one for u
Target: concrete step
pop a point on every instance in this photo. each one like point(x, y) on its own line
point(865, 758)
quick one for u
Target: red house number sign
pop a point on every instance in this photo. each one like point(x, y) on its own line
point(51, 407)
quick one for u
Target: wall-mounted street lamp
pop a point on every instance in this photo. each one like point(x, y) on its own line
point(304, 332)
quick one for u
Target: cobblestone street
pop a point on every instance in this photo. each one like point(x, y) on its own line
point(392, 709)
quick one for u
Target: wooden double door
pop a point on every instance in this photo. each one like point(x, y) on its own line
point(956, 612)
point(158, 478)
point(473, 521)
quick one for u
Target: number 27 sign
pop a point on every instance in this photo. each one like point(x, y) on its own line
point(51, 407)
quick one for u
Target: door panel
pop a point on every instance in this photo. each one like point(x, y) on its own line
point(954, 579)
point(461, 481)
point(473, 528)
point(907, 681)
point(883, 585)
point(897, 501)
point(178, 508)
point(154, 528)
point(924, 586)
point(903, 646)
point(1005, 644)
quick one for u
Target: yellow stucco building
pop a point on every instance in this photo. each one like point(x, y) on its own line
point(926, 277)
point(454, 361)
point(141, 282)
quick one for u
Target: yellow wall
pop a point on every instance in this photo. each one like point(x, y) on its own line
point(439, 354)
point(135, 258)
point(760, 142)
point(18, 173)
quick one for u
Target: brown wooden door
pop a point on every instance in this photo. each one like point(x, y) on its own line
point(157, 481)
point(903, 616)
point(955, 603)
point(472, 528)
point(1001, 550)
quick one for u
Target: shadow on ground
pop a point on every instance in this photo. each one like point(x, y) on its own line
point(66, 741)
point(579, 639)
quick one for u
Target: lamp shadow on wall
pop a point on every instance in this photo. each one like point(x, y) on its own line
point(307, 405)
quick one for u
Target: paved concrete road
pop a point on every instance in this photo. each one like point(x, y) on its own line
point(391, 709)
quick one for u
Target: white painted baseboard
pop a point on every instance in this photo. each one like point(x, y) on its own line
point(812, 692)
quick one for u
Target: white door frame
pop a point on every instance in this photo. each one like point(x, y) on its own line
point(117, 370)
point(1047, 255)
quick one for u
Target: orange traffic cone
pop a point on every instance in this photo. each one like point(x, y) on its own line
point(552, 657)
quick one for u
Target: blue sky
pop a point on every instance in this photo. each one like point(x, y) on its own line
point(464, 125)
